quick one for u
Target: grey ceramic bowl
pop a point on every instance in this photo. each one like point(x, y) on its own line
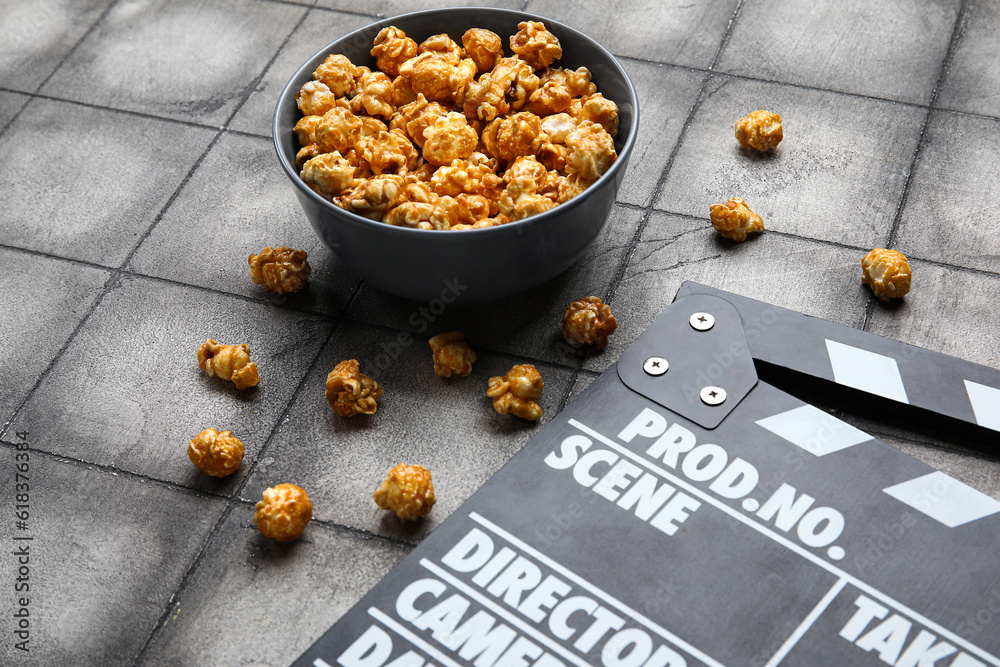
point(476, 264)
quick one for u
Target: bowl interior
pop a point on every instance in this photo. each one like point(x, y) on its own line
point(578, 51)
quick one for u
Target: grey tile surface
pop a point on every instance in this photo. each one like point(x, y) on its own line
point(186, 60)
point(527, 324)
point(892, 49)
point(35, 325)
point(237, 202)
point(10, 105)
point(37, 35)
point(816, 279)
point(128, 391)
point(951, 213)
point(972, 82)
point(382, 8)
point(447, 425)
point(135, 95)
point(102, 574)
point(948, 310)
point(289, 594)
point(666, 95)
point(319, 29)
point(87, 183)
point(838, 174)
point(677, 32)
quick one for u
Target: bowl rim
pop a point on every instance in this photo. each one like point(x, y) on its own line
point(514, 226)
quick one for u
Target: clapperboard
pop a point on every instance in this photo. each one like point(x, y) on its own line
point(682, 511)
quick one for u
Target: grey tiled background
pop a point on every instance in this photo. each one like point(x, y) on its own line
point(137, 175)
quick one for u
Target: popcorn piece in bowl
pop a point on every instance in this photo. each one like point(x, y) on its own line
point(588, 321)
point(887, 272)
point(328, 174)
point(229, 362)
point(315, 98)
point(517, 392)
point(735, 220)
point(591, 151)
point(759, 130)
point(373, 197)
point(392, 48)
point(535, 45)
point(350, 392)
point(338, 73)
point(449, 138)
point(408, 491)
point(281, 270)
point(283, 512)
point(484, 47)
point(216, 453)
point(452, 355)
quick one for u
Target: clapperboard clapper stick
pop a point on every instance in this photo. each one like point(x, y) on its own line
point(682, 511)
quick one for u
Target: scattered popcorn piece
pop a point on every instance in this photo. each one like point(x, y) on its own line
point(452, 355)
point(229, 362)
point(517, 392)
point(216, 453)
point(760, 130)
point(281, 270)
point(535, 45)
point(887, 272)
point(283, 513)
point(392, 48)
point(350, 392)
point(588, 321)
point(735, 220)
point(407, 491)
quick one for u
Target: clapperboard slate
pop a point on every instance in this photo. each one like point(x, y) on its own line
point(646, 527)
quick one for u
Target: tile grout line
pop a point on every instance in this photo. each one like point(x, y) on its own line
point(69, 54)
point(956, 36)
point(161, 621)
point(699, 100)
point(114, 470)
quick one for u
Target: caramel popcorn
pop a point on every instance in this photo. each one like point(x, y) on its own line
point(591, 150)
point(337, 73)
point(887, 272)
point(426, 139)
point(283, 512)
point(760, 130)
point(350, 392)
point(407, 491)
point(735, 220)
point(517, 392)
point(373, 197)
point(315, 98)
point(484, 47)
point(216, 453)
point(588, 321)
point(281, 270)
point(229, 362)
point(392, 48)
point(598, 109)
point(328, 174)
point(535, 45)
point(449, 138)
point(452, 355)
point(338, 130)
